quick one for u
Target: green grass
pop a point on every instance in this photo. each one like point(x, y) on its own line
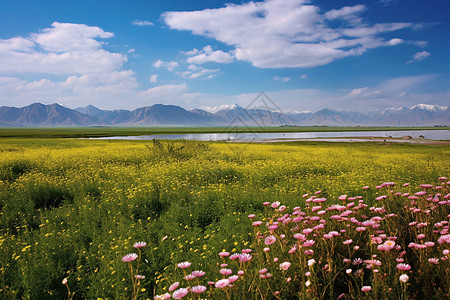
point(74, 207)
point(86, 132)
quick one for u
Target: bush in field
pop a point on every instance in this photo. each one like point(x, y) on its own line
point(398, 247)
point(47, 196)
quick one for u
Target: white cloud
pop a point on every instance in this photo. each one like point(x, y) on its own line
point(62, 49)
point(286, 33)
point(284, 79)
point(207, 54)
point(419, 56)
point(385, 2)
point(347, 13)
point(169, 65)
point(158, 64)
point(194, 72)
point(153, 78)
point(401, 84)
point(106, 90)
point(142, 23)
point(364, 92)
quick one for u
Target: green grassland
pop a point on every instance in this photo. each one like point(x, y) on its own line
point(100, 131)
point(73, 208)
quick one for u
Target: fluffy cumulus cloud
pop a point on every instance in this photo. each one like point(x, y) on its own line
point(60, 50)
point(207, 54)
point(169, 65)
point(86, 72)
point(286, 33)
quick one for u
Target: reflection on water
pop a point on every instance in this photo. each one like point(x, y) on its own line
point(427, 134)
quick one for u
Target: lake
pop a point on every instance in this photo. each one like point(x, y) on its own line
point(273, 136)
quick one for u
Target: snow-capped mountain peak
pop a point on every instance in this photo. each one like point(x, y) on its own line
point(429, 107)
point(215, 109)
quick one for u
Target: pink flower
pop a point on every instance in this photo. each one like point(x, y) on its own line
point(139, 244)
point(184, 265)
point(309, 243)
point(129, 257)
point(433, 261)
point(240, 272)
point(233, 278)
point(359, 229)
point(225, 272)
point(307, 231)
point(198, 289)
point(224, 254)
point(222, 283)
point(299, 236)
point(403, 267)
point(189, 277)
point(444, 239)
point(347, 242)
point(257, 223)
point(269, 240)
point(198, 273)
point(426, 186)
point(140, 277)
point(251, 216)
point(180, 293)
point(311, 262)
point(273, 227)
point(342, 197)
point(309, 252)
point(404, 278)
point(245, 257)
point(366, 288)
point(275, 204)
point(174, 286)
point(429, 244)
point(285, 265)
point(262, 271)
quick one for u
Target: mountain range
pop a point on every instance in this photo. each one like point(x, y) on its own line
point(41, 115)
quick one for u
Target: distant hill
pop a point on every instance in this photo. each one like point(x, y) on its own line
point(38, 114)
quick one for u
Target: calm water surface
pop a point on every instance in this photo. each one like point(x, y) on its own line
point(428, 134)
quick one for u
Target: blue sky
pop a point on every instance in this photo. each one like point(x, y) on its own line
point(306, 55)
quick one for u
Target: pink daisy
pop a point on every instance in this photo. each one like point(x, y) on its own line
point(198, 289)
point(139, 244)
point(180, 293)
point(129, 257)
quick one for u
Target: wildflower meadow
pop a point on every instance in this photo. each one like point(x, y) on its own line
point(98, 219)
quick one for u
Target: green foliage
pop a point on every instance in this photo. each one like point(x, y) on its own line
point(73, 208)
